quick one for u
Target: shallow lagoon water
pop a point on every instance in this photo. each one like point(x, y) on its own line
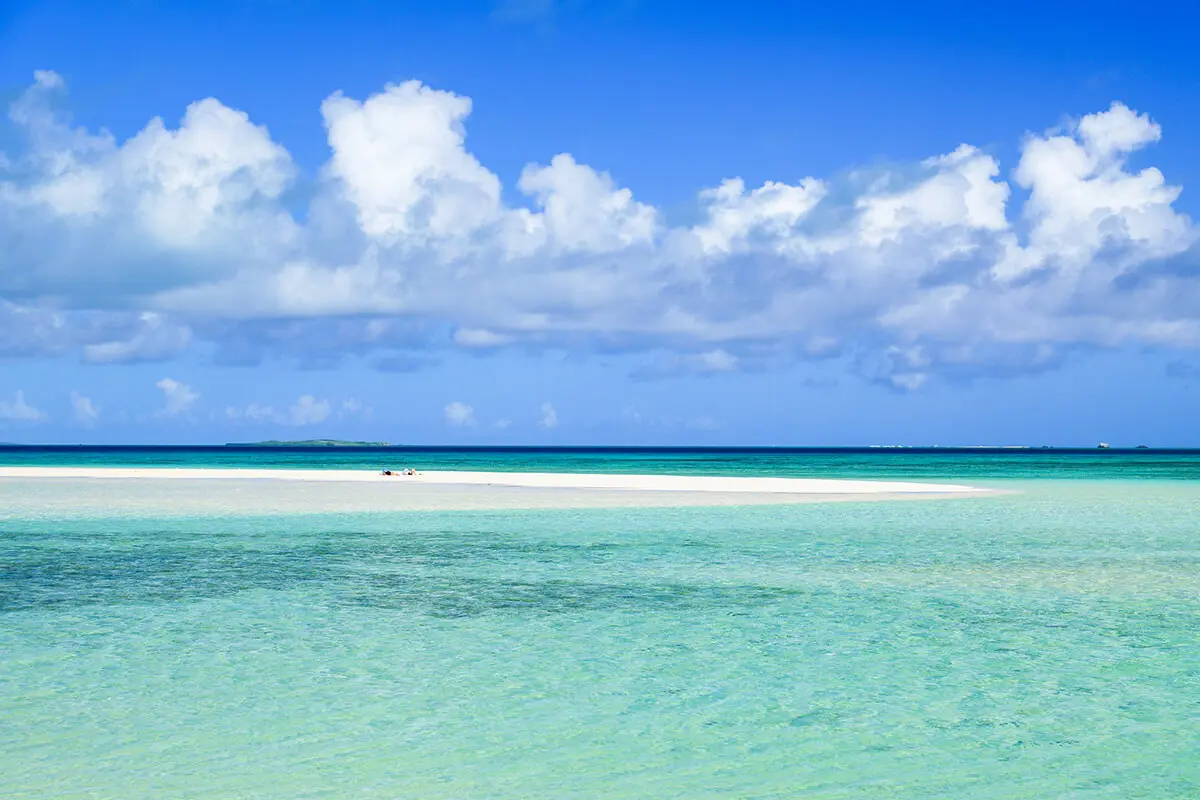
point(1038, 644)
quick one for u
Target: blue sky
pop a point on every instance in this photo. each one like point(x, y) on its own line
point(608, 223)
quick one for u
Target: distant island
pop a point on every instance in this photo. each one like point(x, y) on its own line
point(308, 443)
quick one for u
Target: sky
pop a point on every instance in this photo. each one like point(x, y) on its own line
point(552, 222)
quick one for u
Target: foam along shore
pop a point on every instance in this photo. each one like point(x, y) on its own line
point(530, 480)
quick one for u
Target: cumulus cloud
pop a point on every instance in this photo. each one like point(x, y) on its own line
point(253, 412)
point(459, 414)
point(734, 215)
point(19, 410)
point(152, 338)
point(479, 337)
point(549, 416)
point(83, 412)
point(180, 234)
point(94, 217)
point(355, 408)
point(709, 362)
point(306, 411)
point(177, 397)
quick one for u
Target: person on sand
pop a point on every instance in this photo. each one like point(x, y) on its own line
point(386, 472)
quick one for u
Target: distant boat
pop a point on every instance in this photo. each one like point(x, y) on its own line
point(1102, 446)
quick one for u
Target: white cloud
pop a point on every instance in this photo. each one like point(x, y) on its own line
point(549, 417)
point(154, 339)
point(83, 412)
point(306, 411)
point(18, 410)
point(255, 413)
point(478, 337)
point(717, 361)
point(355, 408)
point(771, 210)
point(709, 362)
point(400, 159)
point(408, 229)
point(502, 423)
point(960, 194)
point(1083, 203)
point(105, 221)
point(177, 397)
point(459, 414)
point(583, 210)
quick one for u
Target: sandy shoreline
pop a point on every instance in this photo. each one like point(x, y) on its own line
point(531, 480)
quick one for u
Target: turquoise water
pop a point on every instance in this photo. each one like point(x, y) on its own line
point(884, 464)
point(1040, 644)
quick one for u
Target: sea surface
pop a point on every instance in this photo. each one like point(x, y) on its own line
point(1042, 643)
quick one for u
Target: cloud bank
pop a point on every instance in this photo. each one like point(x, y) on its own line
point(180, 237)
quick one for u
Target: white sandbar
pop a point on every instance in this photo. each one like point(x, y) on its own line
point(530, 480)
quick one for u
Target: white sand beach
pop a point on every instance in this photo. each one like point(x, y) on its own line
point(528, 480)
point(166, 491)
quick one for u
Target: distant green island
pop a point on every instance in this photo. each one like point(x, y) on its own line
point(308, 443)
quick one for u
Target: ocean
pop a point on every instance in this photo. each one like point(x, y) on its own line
point(1040, 643)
